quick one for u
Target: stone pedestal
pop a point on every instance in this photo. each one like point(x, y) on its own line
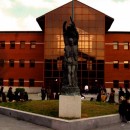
point(70, 106)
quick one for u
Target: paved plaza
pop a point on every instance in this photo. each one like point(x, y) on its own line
point(9, 123)
point(119, 126)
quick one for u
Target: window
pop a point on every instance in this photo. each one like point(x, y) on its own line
point(126, 64)
point(116, 64)
point(32, 44)
point(31, 82)
point(32, 63)
point(21, 62)
point(1, 81)
point(21, 82)
point(116, 83)
point(2, 44)
point(1, 62)
point(126, 46)
point(11, 82)
point(115, 45)
point(12, 45)
point(22, 44)
point(11, 63)
point(126, 83)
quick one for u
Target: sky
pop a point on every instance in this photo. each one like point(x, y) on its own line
point(20, 15)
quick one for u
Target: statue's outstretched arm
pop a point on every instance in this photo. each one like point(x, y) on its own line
point(64, 26)
point(72, 22)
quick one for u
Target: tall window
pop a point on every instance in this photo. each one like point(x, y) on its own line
point(33, 44)
point(126, 64)
point(1, 81)
point(115, 45)
point(1, 62)
point(11, 82)
point(116, 83)
point(21, 82)
point(2, 44)
point(126, 83)
point(21, 62)
point(12, 44)
point(22, 44)
point(11, 63)
point(126, 46)
point(116, 64)
point(31, 82)
point(32, 63)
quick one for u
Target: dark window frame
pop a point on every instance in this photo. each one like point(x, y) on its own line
point(11, 82)
point(116, 64)
point(12, 44)
point(21, 82)
point(32, 63)
point(2, 44)
point(31, 82)
point(116, 83)
point(11, 62)
point(2, 62)
point(22, 63)
point(22, 44)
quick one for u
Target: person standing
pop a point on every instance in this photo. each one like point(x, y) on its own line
point(10, 94)
point(121, 93)
point(43, 93)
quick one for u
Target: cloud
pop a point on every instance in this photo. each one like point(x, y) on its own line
point(6, 3)
point(8, 23)
point(119, 0)
point(38, 4)
point(30, 24)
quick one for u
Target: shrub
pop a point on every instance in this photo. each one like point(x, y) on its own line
point(20, 90)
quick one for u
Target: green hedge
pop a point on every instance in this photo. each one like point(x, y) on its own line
point(20, 90)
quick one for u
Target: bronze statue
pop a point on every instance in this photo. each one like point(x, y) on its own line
point(71, 36)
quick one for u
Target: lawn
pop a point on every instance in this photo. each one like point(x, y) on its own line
point(50, 107)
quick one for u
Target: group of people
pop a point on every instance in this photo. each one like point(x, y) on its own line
point(47, 94)
point(12, 96)
point(123, 100)
point(124, 105)
point(106, 97)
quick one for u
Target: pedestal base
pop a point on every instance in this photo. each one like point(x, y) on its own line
point(70, 106)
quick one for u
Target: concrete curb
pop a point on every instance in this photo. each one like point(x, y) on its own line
point(61, 124)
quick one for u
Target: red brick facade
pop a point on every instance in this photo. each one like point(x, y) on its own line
point(45, 50)
point(121, 54)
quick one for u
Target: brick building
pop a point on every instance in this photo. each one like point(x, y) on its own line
point(31, 59)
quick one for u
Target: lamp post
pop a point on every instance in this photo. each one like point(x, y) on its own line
point(73, 10)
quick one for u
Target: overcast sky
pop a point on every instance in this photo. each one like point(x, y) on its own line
point(20, 15)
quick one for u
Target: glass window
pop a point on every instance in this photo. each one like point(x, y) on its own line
point(12, 45)
point(2, 44)
point(1, 81)
point(115, 45)
point(116, 64)
point(126, 83)
point(11, 82)
point(1, 62)
point(32, 44)
point(126, 46)
point(126, 64)
point(116, 83)
point(11, 63)
point(32, 63)
point(21, 82)
point(21, 62)
point(31, 82)
point(22, 44)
